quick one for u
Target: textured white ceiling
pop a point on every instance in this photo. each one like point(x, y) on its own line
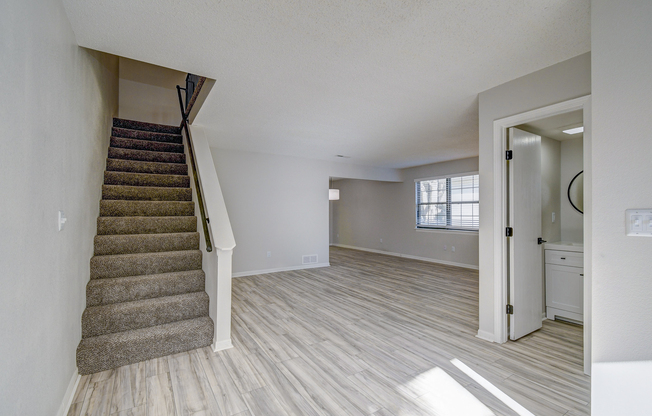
point(388, 83)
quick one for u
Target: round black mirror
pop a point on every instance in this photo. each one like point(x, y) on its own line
point(576, 192)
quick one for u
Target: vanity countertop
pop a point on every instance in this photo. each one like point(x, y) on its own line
point(565, 246)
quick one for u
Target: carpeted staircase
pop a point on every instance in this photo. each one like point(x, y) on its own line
point(146, 296)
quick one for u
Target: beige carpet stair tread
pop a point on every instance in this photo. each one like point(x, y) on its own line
point(136, 264)
point(146, 135)
point(146, 225)
point(126, 316)
point(121, 208)
point(145, 193)
point(146, 179)
point(145, 243)
point(104, 352)
point(131, 288)
point(145, 126)
point(150, 145)
point(146, 155)
point(125, 165)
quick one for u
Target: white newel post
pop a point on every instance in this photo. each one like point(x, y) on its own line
point(222, 337)
point(222, 238)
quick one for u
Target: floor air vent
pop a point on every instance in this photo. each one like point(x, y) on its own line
point(309, 259)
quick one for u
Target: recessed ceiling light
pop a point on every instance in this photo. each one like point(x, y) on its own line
point(575, 130)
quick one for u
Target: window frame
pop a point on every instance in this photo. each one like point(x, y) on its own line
point(419, 227)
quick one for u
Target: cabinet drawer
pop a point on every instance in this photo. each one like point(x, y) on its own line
point(565, 258)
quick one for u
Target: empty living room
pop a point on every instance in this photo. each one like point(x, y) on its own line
point(326, 208)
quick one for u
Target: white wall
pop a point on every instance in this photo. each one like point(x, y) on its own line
point(56, 117)
point(557, 83)
point(369, 211)
point(572, 162)
point(280, 204)
point(622, 179)
point(148, 92)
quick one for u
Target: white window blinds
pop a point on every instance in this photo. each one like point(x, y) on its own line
point(450, 202)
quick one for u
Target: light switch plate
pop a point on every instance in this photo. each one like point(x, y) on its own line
point(62, 220)
point(638, 222)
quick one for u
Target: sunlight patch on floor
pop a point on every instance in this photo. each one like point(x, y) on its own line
point(511, 403)
point(443, 396)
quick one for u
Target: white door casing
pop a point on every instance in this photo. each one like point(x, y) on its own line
point(525, 254)
point(498, 273)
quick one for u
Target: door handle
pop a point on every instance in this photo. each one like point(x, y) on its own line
point(541, 241)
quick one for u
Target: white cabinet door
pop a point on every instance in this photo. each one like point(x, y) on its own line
point(565, 288)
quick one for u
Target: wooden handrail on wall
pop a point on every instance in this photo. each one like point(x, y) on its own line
point(184, 125)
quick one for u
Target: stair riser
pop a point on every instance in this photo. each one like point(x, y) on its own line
point(124, 143)
point(132, 288)
point(143, 179)
point(146, 156)
point(144, 126)
point(117, 208)
point(140, 264)
point(146, 135)
point(141, 193)
point(124, 165)
point(145, 243)
point(111, 351)
point(144, 225)
point(126, 316)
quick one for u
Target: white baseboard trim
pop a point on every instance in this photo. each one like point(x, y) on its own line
point(408, 256)
point(487, 336)
point(222, 345)
point(281, 269)
point(70, 394)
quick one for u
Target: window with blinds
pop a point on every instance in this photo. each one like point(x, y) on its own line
point(450, 202)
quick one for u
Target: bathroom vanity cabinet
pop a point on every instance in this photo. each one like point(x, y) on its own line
point(564, 271)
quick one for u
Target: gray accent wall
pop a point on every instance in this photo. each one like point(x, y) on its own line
point(58, 100)
point(382, 216)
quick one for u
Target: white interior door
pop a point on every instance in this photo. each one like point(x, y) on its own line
point(525, 288)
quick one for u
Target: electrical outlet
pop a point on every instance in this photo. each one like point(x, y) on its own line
point(453, 249)
point(269, 254)
point(553, 217)
point(445, 247)
point(381, 240)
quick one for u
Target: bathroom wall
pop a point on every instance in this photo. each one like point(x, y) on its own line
point(550, 189)
point(572, 162)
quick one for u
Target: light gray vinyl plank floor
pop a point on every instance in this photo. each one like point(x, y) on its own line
point(370, 335)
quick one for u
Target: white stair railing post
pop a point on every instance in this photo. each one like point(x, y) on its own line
point(222, 337)
point(222, 239)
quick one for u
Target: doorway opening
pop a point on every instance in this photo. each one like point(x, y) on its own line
point(544, 273)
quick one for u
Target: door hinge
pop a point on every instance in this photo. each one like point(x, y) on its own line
point(510, 310)
point(509, 155)
point(509, 232)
